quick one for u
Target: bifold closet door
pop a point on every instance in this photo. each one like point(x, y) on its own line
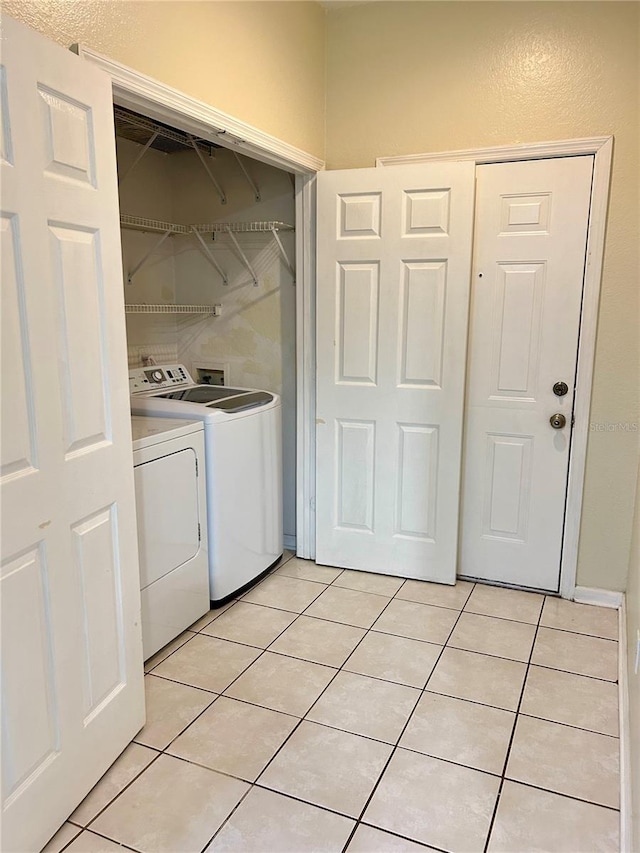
point(72, 679)
point(529, 260)
point(393, 270)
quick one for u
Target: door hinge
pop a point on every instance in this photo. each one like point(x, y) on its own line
point(573, 420)
point(199, 537)
point(197, 469)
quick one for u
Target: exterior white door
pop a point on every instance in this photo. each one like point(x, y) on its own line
point(72, 690)
point(529, 259)
point(394, 255)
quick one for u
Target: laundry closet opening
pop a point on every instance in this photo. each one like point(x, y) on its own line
point(208, 255)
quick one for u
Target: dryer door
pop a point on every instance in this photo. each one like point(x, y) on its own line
point(167, 508)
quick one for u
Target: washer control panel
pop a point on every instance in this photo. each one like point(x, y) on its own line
point(158, 376)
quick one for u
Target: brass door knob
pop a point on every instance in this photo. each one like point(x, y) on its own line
point(558, 421)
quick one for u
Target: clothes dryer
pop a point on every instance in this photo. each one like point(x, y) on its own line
point(171, 507)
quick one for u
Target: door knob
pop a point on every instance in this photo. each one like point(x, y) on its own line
point(558, 421)
point(560, 389)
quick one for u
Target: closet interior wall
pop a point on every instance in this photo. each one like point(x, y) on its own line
point(253, 339)
point(147, 191)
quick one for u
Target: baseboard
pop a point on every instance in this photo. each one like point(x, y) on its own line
point(599, 597)
point(625, 734)
point(289, 542)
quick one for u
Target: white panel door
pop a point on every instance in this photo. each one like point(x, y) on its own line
point(394, 255)
point(529, 257)
point(72, 694)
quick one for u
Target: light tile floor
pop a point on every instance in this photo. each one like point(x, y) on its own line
point(333, 710)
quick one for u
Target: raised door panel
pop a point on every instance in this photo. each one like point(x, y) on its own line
point(69, 143)
point(30, 707)
point(356, 474)
point(516, 331)
point(77, 267)
point(417, 481)
point(422, 312)
point(98, 571)
point(507, 486)
point(18, 430)
point(357, 322)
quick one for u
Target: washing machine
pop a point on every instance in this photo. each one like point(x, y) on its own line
point(171, 504)
point(243, 462)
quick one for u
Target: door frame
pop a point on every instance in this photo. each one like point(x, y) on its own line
point(143, 94)
point(601, 148)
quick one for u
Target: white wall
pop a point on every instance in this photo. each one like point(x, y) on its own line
point(255, 335)
point(146, 191)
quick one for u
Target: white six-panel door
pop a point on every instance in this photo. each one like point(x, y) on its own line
point(394, 253)
point(529, 258)
point(72, 694)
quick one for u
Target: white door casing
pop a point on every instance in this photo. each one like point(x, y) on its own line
point(72, 690)
point(529, 260)
point(393, 266)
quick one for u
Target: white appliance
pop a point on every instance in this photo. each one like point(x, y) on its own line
point(243, 453)
point(171, 503)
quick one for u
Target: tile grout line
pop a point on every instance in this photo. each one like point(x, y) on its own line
point(305, 718)
point(341, 668)
point(367, 630)
point(300, 721)
point(399, 738)
point(253, 784)
point(513, 732)
point(128, 785)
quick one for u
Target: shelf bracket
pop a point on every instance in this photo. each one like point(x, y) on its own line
point(139, 157)
point(250, 180)
point(283, 252)
point(142, 262)
point(209, 254)
point(243, 256)
point(219, 190)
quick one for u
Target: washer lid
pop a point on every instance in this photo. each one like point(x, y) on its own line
point(202, 394)
point(242, 402)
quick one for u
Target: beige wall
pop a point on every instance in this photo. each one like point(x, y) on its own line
point(633, 627)
point(413, 77)
point(262, 62)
